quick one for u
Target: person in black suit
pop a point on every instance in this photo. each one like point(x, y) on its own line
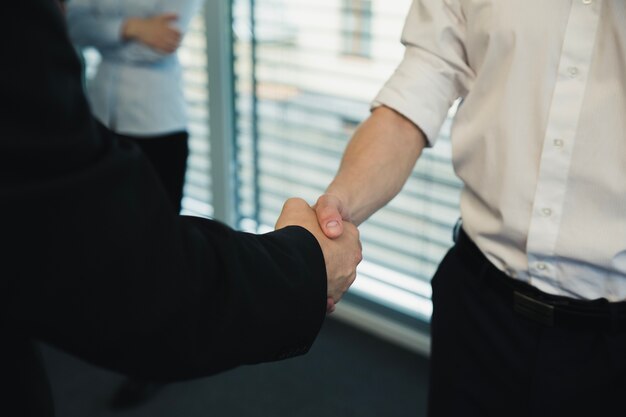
point(96, 263)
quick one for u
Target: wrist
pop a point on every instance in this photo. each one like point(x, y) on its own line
point(131, 28)
point(341, 199)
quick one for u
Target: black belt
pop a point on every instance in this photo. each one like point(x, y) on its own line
point(536, 305)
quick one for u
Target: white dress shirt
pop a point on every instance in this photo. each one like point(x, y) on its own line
point(136, 90)
point(539, 139)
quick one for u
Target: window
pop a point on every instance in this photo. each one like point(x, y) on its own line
point(356, 27)
point(197, 199)
point(298, 102)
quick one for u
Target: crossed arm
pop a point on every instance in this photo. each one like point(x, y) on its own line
point(136, 38)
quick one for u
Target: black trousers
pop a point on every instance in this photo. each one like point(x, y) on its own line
point(168, 154)
point(502, 348)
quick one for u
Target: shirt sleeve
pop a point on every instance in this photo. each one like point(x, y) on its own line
point(89, 26)
point(434, 71)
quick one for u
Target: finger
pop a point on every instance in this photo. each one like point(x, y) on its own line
point(351, 280)
point(168, 47)
point(161, 49)
point(330, 306)
point(176, 34)
point(173, 43)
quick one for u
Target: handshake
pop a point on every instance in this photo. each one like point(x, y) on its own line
point(338, 239)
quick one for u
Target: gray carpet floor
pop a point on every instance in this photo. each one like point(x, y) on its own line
point(347, 373)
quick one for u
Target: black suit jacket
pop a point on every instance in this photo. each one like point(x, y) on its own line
point(96, 263)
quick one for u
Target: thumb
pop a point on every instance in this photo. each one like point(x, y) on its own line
point(330, 305)
point(329, 217)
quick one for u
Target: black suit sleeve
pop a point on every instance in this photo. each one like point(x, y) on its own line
point(97, 262)
point(101, 267)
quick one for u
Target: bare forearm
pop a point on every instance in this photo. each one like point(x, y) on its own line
point(377, 163)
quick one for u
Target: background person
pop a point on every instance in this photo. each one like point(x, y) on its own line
point(137, 91)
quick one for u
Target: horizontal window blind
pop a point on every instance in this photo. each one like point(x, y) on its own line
point(197, 197)
point(306, 73)
point(192, 53)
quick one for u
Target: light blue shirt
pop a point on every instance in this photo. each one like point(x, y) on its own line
point(136, 90)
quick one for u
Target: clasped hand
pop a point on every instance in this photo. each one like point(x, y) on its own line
point(157, 32)
point(341, 254)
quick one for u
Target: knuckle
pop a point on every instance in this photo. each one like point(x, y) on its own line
point(359, 257)
point(352, 279)
point(292, 203)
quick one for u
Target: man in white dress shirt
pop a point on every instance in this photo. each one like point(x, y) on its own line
point(529, 317)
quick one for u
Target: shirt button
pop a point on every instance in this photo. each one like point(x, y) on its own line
point(572, 72)
point(558, 143)
point(587, 1)
point(541, 266)
point(546, 211)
